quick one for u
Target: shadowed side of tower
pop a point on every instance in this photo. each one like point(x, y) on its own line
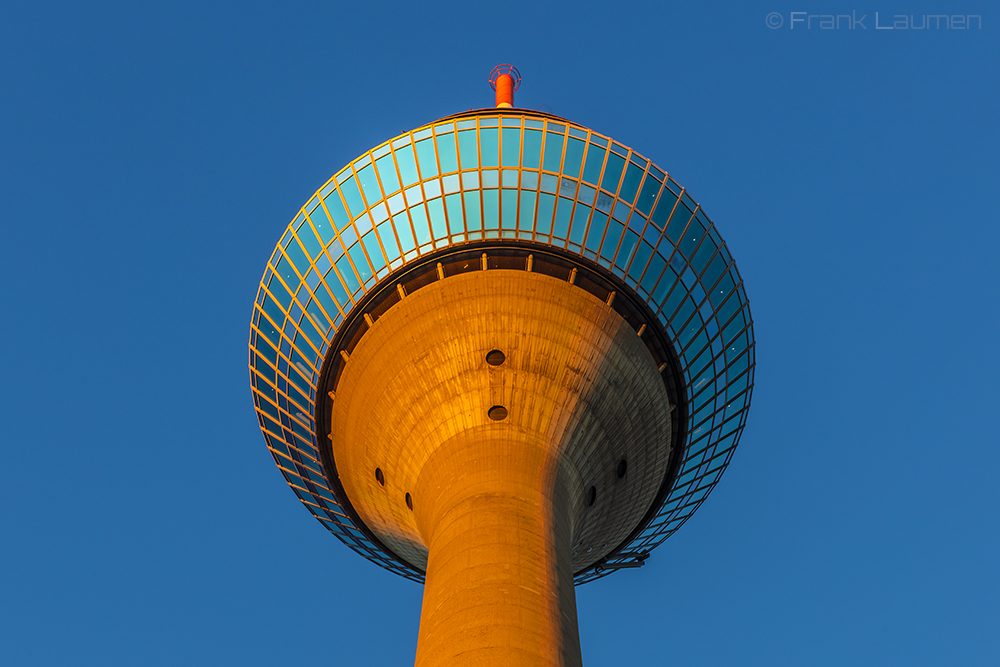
point(497, 503)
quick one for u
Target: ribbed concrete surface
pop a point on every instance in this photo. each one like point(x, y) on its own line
point(500, 506)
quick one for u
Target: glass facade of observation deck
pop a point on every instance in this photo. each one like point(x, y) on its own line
point(520, 177)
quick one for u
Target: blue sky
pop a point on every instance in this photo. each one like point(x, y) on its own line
point(150, 158)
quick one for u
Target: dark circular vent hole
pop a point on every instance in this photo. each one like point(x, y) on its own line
point(622, 467)
point(379, 476)
point(409, 501)
point(497, 413)
point(495, 357)
point(592, 496)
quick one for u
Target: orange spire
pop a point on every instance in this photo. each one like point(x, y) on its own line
point(505, 79)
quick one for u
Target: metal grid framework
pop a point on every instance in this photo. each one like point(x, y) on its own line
point(513, 175)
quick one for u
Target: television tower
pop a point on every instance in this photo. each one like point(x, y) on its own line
point(503, 355)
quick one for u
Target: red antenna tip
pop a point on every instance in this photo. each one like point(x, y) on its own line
point(505, 79)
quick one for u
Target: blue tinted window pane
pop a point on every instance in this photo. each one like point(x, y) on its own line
point(369, 185)
point(678, 221)
point(614, 234)
point(347, 273)
point(508, 209)
point(360, 263)
point(511, 147)
point(621, 211)
point(642, 256)
point(549, 183)
point(719, 292)
point(489, 148)
point(686, 198)
point(705, 252)
point(299, 260)
point(714, 270)
point(311, 334)
point(439, 224)
point(491, 209)
point(307, 237)
point(648, 195)
point(473, 216)
point(270, 304)
point(630, 185)
point(664, 208)
point(579, 223)
point(453, 204)
point(325, 300)
point(387, 173)
point(631, 238)
point(402, 225)
point(595, 160)
point(563, 211)
point(374, 252)
point(337, 211)
point(691, 237)
point(729, 307)
point(553, 151)
point(666, 282)
point(596, 231)
point(612, 172)
point(656, 265)
point(348, 236)
point(532, 148)
point(421, 226)
point(447, 153)
point(407, 165)
point(604, 202)
point(426, 158)
point(468, 149)
point(546, 207)
point(734, 336)
point(268, 330)
point(680, 318)
point(352, 196)
point(316, 313)
point(321, 221)
point(705, 223)
point(337, 289)
point(388, 240)
point(637, 223)
point(574, 155)
point(526, 219)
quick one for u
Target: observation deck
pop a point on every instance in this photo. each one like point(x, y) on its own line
point(504, 189)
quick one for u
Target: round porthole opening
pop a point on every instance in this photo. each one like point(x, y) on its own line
point(592, 496)
point(622, 467)
point(495, 357)
point(379, 477)
point(409, 501)
point(497, 413)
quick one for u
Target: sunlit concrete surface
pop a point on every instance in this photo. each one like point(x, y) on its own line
point(503, 511)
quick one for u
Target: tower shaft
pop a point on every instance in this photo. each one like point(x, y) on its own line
point(499, 587)
point(481, 428)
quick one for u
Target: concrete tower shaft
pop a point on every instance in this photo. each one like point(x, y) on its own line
point(500, 479)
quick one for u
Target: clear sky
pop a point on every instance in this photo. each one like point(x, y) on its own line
point(150, 158)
